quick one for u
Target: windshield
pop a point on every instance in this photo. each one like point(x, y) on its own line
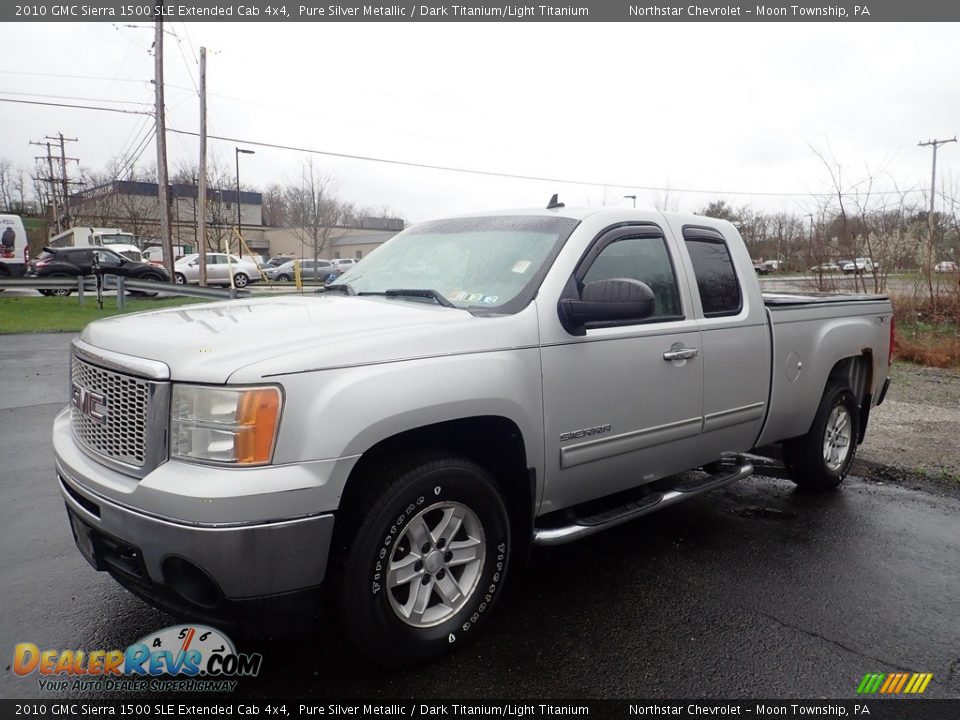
point(484, 263)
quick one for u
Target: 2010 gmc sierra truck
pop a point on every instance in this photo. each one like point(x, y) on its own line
point(476, 385)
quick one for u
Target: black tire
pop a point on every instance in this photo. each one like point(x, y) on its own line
point(180, 278)
point(806, 458)
point(60, 292)
point(240, 280)
point(149, 277)
point(283, 278)
point(384, 522)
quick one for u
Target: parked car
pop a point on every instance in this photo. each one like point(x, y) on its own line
point(827, 267)
point(278, 261)
point(860, 266)
point(70, 262)
point(947, 266)
point(402, 438)
point(760, 268)
point(773, 265)
point(219, 269)
point(344, 264)
point(308, 271)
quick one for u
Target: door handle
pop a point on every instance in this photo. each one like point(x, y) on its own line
point(680, 353)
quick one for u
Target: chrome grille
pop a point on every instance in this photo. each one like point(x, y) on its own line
point(122, 434)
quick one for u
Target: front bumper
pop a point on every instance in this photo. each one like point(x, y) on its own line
point(197, 568)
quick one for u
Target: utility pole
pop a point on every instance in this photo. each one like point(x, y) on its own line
point(163, 187)
point(67, 216)
point(57, 184)
point(202, 190)
point(928, 269)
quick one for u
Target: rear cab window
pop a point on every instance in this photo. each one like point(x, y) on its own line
point(717, 282)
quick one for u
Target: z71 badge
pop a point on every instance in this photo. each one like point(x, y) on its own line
point(585, 432)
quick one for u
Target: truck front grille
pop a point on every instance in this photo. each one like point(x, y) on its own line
point(114, 423)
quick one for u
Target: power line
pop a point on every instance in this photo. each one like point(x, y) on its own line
point(72, 77)
point(517, 176)
point(78, 107)
point(71, 97)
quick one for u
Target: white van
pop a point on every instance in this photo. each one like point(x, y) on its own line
point(14, 249)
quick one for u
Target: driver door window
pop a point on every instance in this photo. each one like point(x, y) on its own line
point(645, 259)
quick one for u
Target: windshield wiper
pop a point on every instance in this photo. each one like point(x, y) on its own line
point(414, 292)
point(339, 287)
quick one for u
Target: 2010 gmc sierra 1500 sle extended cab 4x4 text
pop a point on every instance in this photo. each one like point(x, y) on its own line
point(476, 385)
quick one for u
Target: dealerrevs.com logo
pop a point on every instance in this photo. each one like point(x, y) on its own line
point(189, 658)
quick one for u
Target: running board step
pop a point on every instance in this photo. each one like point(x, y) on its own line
point(592, 524)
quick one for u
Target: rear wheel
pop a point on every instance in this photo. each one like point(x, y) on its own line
point(821, 459)
point(424, 556)
point(149, 277)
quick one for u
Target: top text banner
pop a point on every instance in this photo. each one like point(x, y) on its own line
point(585, 11)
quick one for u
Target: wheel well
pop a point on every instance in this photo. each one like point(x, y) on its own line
point(856, 373)
point(495, 443)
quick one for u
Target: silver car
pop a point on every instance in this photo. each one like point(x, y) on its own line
point(219, 269)
point(308, 271)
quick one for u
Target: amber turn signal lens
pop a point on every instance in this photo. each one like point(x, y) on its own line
point(257, 415)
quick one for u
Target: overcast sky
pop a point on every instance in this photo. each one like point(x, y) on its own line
point(719, 107)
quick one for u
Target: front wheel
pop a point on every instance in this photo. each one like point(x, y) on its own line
point(821, 459)
point(424, 558)
point(240, 280)
point(180, 279)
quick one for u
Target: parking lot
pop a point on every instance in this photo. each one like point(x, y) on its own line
point(753, 591)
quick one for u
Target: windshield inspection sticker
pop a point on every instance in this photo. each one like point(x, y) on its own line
point(521, 266)
point(475, 297)
point(489, 300)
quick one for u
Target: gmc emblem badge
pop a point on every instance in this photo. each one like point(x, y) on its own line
point(91, 404)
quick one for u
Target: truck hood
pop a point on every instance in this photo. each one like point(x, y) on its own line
point(245, 340)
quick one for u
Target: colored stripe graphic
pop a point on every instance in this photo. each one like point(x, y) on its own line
point(894, 683)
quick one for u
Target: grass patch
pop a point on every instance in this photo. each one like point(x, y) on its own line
point(66, 314)
point(928, 333)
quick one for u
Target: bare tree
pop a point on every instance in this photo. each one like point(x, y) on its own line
point(220, 218)
point(665, 200)
point(314, 212)
point(274, 206)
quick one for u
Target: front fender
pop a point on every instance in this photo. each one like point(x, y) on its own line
point(341, 413)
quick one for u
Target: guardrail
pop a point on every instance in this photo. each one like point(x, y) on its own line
point(84, 284)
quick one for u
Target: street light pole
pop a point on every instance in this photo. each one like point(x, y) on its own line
point(237, 152)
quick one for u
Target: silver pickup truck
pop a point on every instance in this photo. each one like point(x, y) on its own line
point(476, 386)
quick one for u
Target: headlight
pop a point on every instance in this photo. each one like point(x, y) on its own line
point(224, 425)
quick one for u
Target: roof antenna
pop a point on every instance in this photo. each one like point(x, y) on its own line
point(554, 203)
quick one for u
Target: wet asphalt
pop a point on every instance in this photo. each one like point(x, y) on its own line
point(755, 590)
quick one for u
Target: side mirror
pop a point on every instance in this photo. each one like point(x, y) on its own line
point(618, 300)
